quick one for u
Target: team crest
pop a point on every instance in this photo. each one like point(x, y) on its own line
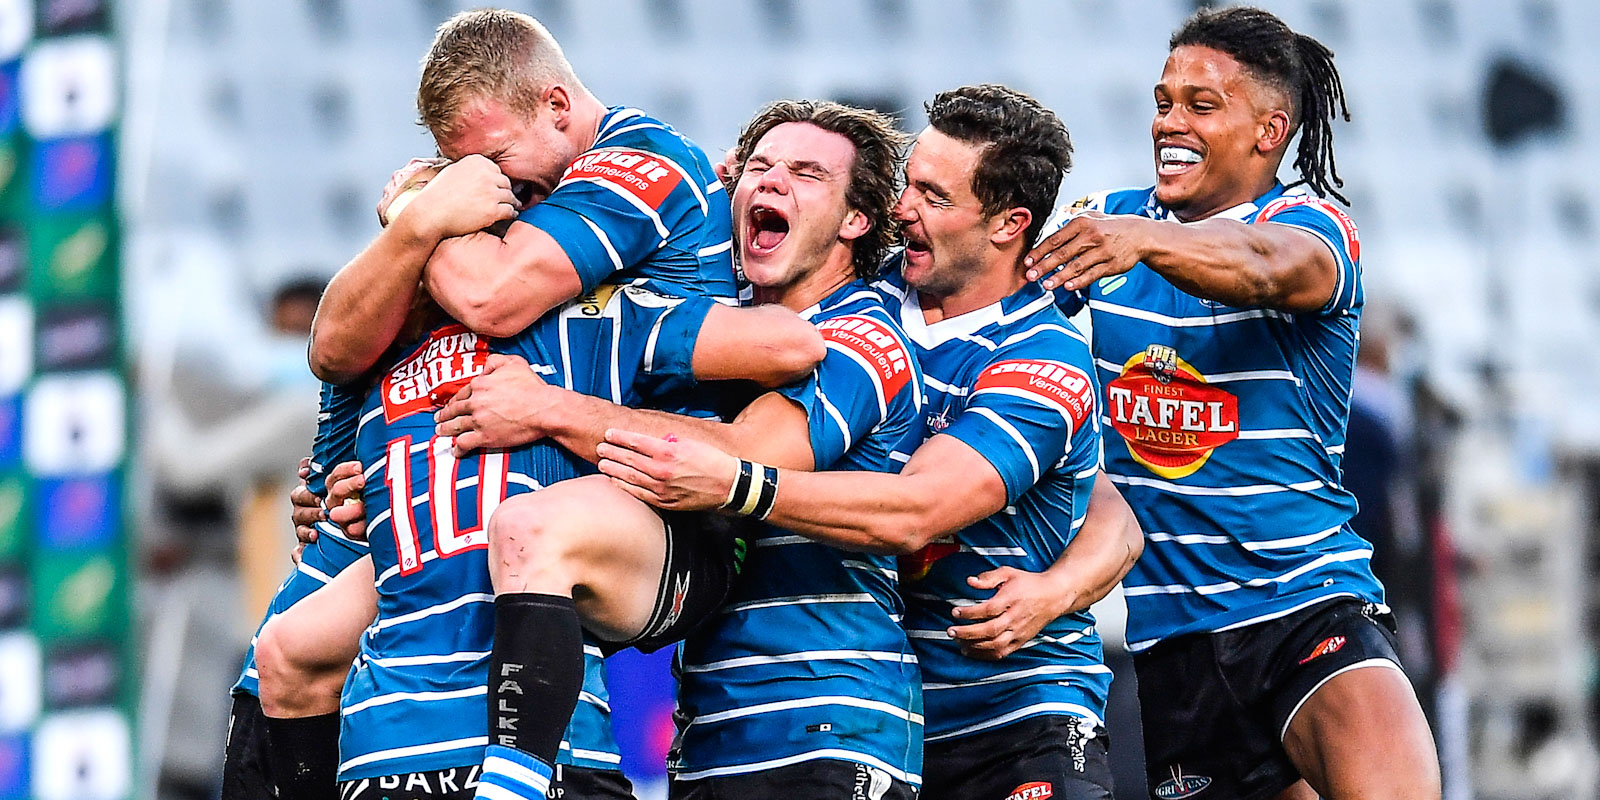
point(1161, 361)
point(938, 422)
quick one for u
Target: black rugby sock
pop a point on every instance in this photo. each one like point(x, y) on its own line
point(304, 756)
point(535, 672)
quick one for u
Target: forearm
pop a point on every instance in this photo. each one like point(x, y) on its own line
point(499, 286)
point(366, 303)
point(1101, 553)
point(874, 512)
point(580, 422)
point(1249, 266)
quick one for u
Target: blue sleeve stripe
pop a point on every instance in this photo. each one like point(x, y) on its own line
point(1016, 435)
point(643, 207)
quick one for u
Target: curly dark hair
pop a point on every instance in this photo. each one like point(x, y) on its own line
point(1294, 63)
point(874, 175)
point(1027, 153)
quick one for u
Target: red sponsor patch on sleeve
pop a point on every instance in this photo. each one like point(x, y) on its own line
point(1347, 226)
point(427, 379)
point(641, 174)
point(1062, 386)
point(876, 344)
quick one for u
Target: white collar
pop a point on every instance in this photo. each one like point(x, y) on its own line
point(929, 336)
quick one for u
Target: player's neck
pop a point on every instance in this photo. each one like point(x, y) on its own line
point(587, 112)
point(998, 278)
point(813, 287)
point(1245, 193)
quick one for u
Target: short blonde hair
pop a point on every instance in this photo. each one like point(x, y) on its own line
point(489, 54)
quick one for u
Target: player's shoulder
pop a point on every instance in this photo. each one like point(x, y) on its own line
point(856, 325)
point(632, 129)
point(1110, 201)
point(1303, 209)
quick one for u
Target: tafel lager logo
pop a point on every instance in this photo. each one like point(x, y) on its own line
point(1169, 416)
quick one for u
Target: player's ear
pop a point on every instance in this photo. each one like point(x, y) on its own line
point(1009, 225)
point(1273, 131)
point(558, 101)
point(855, 226)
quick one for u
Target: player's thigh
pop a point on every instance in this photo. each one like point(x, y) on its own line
point(1362, 734)
point(324, 628)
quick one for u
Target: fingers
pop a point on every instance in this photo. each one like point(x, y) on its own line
point(357, 531)
point(643, 495)
point(464, 444)
point(304, 471)
point(348, 513)
point(635, 482)
point(979, 631)
point(499, 360)
point(648, 468)
point(1048, 255)
point(638, 442)
point(344, 491)
point(294, 555)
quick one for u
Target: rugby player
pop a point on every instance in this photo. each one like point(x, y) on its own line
point(625, 194)
point(1226, 345)
point(412, 724)
point(999, 486)
point(769, 699)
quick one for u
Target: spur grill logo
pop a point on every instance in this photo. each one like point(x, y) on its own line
point(874, 343)
point(438, 369)
point(640, 174)
point(1170, 418)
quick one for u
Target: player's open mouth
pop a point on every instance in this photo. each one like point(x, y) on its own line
point(916, 249)
point(766, 229)
point(1172, 160)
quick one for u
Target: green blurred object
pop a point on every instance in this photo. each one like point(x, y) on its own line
point(13, 510)
point(74, 596)
point(72, 257)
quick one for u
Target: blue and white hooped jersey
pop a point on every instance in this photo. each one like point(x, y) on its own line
point(643, 202)
point(338, 409)
point(1013, 380)
point(416, 699)
point(1229, 432)
point(808, 660)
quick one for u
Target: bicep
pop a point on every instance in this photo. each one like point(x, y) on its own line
point(774, 430)
point(1310, 272)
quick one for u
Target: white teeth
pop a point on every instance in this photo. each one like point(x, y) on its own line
point(1179, 154)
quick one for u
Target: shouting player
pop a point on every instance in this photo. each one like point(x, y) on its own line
point(1226, 310)
point(770, 698)
point(989, 502)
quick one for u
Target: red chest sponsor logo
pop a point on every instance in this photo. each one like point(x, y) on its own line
point(875, 343)
point(438, 369)
point(1170, 417)
point(1037, 790)
point(1061, 385)
point(1332, 644)
point(636, 172)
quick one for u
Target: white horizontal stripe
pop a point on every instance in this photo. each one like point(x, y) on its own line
point(628, 197)
point(430, 555)
point(714, 187)
point(306, 569)
point(591, 650)
point(1216, 491)
point(1337, 449)
point(903, 458)
point(594, 700)
point(1037, 329)
point(716, 248)
point(945, 388)
point(442, 608)
point(496, 765)
point(808, 655)
point(415, 750)
point(996, 551)
point(779, 541)
point(417, 661)
point(814, 755)
point(595, 755)
point(1181, 322)
point(1269, 544)
point(489, 791)
point(1278, 433)
point(1230, 586)
point(1276, 614)
point(1221, 377)
point(810, 702)
point(1004, 677)
point(891, 574)
point(404, 697)
point(800, 600)
point(1072, 709)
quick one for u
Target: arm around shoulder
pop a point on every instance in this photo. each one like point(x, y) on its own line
point(770, 345)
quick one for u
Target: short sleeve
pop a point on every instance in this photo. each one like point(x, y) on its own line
point(673, 325)
point(866, 369)
point(1330, 224)
point(613, 208)
point(1021, 413)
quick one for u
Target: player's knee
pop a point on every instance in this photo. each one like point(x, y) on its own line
point(292, 685)
point(534, 537)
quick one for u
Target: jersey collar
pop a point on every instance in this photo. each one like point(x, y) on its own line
point(1025, 301)
point(1241, 213)
point(838, 296)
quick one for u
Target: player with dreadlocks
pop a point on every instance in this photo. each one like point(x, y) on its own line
point(1225, 310)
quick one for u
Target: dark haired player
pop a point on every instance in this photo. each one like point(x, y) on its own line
point(1001, 479)
point(1226, 310)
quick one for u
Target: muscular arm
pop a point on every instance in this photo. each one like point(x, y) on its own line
point(1259, 266)
point(1264, 266)
point(499, 286)
point(772, 430)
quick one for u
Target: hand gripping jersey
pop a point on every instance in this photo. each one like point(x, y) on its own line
point(1015, 382)
point(332, 551)
point(642, 203)
point(808, 659)
point(1229, 429)
point(415, 700)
